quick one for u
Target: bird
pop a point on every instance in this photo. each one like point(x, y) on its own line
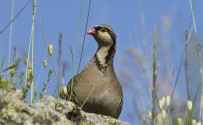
point(96, 89)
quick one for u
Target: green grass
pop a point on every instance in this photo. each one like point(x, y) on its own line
point(162, 109)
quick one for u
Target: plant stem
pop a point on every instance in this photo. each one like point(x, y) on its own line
point(11, 31)
point(83, 43)
point(14, 17)
point(155, 70)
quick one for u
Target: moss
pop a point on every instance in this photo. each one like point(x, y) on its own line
point(8, 111)
point(47, 111)
point(112, 122)
point(5, 84)
point(87, 123)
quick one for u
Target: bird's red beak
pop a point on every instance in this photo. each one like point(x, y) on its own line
point(92, 32)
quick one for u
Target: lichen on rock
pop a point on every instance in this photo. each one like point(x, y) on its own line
point(47, 111)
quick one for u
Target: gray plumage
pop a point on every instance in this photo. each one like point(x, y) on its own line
point(96, 88)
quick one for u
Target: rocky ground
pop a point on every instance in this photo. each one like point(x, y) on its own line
point(48, 111)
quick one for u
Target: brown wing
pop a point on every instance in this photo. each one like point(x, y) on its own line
point(71, 95)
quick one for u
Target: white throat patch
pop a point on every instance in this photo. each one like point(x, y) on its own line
point(101, 55)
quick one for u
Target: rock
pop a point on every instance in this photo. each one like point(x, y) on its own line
point(48, 111)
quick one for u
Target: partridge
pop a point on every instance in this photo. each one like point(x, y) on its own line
point(96, 88)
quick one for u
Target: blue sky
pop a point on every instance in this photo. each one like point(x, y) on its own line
point(133, 22)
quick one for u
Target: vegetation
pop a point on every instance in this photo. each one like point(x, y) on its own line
point(162, 107)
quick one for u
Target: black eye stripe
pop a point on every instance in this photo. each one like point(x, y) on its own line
point(112, 34)
point(98, 28)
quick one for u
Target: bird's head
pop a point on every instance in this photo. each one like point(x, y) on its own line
point(103, 34)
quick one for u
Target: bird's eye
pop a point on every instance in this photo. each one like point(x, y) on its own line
point(103, 30)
